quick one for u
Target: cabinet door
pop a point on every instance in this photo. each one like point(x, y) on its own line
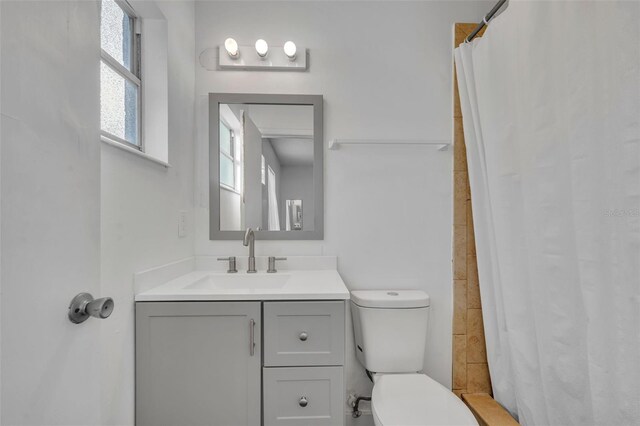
point(198, 363)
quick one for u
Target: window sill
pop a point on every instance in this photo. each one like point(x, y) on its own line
point(229, 189)
point(133, 151)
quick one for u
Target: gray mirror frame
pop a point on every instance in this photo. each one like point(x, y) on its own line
point(215, 99)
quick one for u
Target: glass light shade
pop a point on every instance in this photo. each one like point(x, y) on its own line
point(290, 50)
point(262, 48)
point(232, 47)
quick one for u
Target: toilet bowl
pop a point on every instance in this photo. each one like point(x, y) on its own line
point(390, 330)
point(416, 400)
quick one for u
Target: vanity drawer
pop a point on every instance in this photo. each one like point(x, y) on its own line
point(303, 333)
point(296, 396)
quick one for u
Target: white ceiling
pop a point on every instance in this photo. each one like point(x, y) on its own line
point(293, 151)
point(280, 120)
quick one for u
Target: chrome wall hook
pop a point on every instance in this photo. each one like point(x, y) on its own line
point(84, 305)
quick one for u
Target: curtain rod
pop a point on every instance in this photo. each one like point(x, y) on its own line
point(485, 21)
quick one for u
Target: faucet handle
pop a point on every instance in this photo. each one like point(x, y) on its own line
point(272, 264)
point(232, 263)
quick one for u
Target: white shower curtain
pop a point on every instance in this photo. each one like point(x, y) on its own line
point(551, 105)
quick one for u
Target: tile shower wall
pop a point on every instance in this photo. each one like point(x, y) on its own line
point(470, 368)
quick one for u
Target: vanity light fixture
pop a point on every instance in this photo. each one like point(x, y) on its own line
point(229, 55)
point(262, 48)
point(290, 50)
point(232, 48)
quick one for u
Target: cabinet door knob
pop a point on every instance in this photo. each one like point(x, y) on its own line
point(303, 336)
point(303, 401)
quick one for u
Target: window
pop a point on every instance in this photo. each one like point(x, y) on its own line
point(264, 177)
point(230, 159)
point(120, 74)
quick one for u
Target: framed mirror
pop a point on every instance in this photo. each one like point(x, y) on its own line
point(266, 166)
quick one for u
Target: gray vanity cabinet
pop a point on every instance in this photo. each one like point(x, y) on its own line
point(198, 363)
point(205, 364)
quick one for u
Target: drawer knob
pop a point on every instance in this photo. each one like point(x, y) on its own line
point(303, 401)
point(303, 336)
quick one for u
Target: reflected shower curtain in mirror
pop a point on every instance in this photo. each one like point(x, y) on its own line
point(551, 109)
point(274, 216)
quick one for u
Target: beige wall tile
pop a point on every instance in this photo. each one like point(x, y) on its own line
point(460, 184)
point(459, 362)
point(459, 148)
point(459, 252)
point(460, 307)
point(478, 378)
point(461, 32)
point(467, 188)
point(457, 112)
point(476, 347)
point(470, 371)
point(471, 237)
point(459, 209)
point(473, 284)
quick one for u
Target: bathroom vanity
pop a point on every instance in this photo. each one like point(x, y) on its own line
point(220, 347)
point(242, 349)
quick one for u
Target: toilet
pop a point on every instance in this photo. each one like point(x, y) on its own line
point(390, 328)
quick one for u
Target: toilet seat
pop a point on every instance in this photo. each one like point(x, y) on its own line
point(417, 400)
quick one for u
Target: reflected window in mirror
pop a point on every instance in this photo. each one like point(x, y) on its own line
point(227, 160)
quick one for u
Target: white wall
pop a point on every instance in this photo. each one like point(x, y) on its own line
point(140, 205)
point(384, 69)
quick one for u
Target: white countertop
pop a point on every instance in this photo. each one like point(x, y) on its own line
point(217, 285)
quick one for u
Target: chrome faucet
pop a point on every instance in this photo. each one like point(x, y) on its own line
point(250, 240)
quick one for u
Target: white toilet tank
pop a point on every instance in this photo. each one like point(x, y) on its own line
point(390, 328)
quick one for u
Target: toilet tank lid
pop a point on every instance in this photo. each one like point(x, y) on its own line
point(390, 298)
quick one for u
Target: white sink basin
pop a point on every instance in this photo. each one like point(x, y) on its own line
point(239, 281)
point(215, 285)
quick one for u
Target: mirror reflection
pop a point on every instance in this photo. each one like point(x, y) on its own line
point(266, 167)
